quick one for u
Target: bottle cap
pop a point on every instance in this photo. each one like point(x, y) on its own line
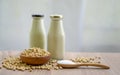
point(37, 15)
point(56, 16)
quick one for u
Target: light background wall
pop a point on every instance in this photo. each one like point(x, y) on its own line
point(102, 25)
point(90, 25)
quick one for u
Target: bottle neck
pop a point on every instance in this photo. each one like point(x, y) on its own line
point(56, 26)
point(56, 23)
point(37, 22)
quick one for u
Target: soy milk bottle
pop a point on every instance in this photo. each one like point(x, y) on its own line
point(56, 37)
point(37, 34)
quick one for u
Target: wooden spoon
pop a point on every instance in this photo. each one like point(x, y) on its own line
point(70, 64)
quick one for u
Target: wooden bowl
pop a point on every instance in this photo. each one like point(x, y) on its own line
point(35, 60)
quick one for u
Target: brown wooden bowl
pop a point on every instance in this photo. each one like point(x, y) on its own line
point(35, 60)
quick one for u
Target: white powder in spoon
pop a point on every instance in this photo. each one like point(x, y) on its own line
point(65, 62)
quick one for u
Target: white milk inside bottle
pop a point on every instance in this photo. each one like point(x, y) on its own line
point(56, 37)
point(37, 34)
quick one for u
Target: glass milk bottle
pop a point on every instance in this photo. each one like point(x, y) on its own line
point(37, 34)
point(56, 37)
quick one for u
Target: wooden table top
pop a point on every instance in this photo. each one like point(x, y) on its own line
point(110, 59)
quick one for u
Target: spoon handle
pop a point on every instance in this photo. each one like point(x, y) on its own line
point(94, 64)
